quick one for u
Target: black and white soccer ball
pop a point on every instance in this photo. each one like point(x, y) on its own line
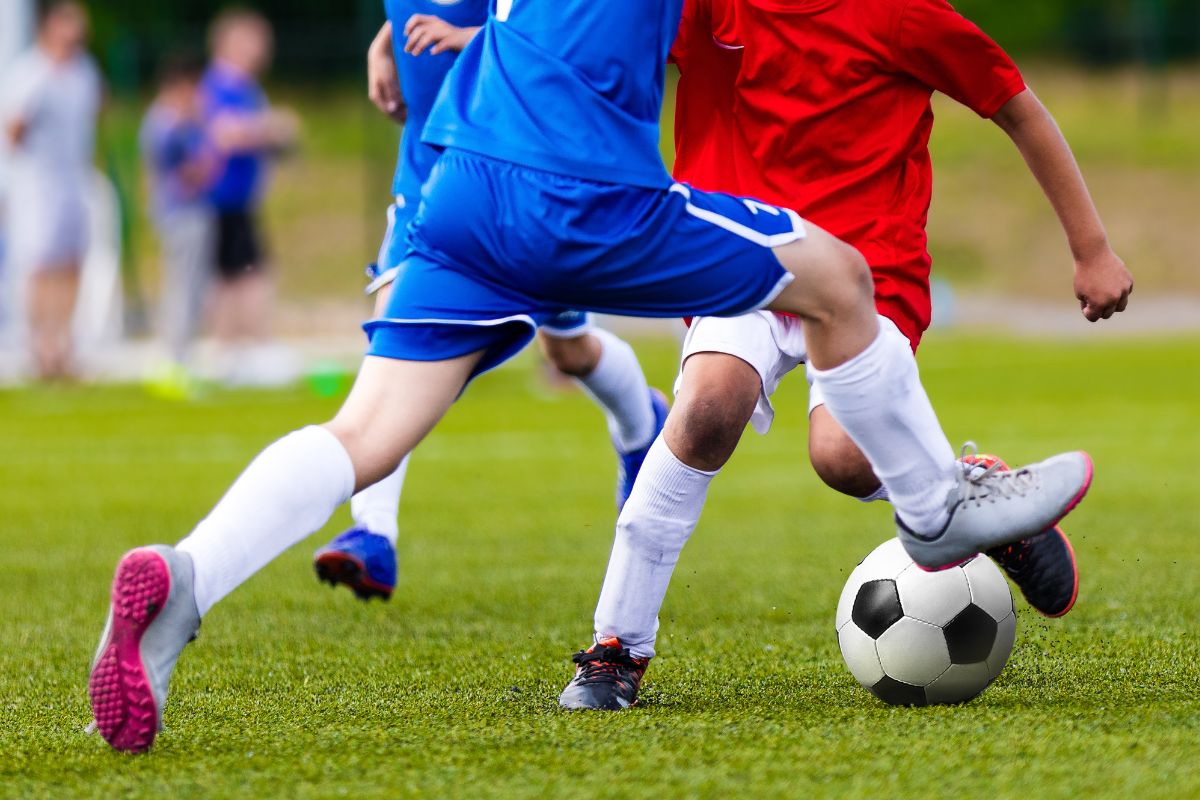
point(915, 638)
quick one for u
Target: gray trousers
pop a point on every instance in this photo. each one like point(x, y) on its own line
point(188, 238)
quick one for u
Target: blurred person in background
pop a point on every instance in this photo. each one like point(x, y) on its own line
point(246, 133)
point(16, 31)
point(181, 165)
point(51, 100)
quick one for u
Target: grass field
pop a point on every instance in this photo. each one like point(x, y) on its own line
point(449, 690)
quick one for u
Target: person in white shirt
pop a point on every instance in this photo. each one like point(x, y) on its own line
point(51, 99)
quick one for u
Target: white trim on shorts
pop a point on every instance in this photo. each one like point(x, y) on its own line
point(475, 323)
point(384, 278)
point(772, 241)
point(798, 232)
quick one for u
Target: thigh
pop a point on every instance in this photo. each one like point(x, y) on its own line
point(394, 245)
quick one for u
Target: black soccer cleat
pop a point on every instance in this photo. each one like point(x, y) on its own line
point(607, 678)
point(1043, 566)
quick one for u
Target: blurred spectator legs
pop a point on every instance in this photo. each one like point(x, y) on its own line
point(53, 290)
point(187, 241)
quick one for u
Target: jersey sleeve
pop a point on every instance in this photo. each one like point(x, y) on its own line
point(950, 54)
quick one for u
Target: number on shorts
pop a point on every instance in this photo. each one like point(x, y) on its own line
point(503, 10)
point(756, 206)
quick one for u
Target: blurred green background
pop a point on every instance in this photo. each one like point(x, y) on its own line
point(1121, 76)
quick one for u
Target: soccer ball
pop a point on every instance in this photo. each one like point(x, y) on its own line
point(914, 638)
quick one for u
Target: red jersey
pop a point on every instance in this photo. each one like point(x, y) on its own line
point(709, 56)
point(832, 118)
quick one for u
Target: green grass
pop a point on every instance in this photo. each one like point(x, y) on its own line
point(449, 690)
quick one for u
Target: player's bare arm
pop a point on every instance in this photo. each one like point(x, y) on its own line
point(383, 80)
point(274, 130)
point(1102, 282)
point(427, 32)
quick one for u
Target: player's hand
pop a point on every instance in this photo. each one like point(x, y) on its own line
point(1103, 285)
point(427, 32)
point(383, 82)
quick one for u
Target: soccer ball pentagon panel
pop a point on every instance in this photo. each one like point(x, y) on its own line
point(915, 638)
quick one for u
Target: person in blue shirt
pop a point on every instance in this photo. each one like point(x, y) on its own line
point(181, 164)
point(551, 195)
point(247, 134)
point(406, 65)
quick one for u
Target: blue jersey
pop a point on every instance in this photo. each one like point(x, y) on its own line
point(421, 78)
point(238, 185)
point(572, 87)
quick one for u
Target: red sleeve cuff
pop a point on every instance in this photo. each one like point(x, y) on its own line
point(997, 101)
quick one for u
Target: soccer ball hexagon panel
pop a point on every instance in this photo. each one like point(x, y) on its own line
point(912, 637)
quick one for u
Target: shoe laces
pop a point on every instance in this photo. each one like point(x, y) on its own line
point(977, 484)
point(606, 663)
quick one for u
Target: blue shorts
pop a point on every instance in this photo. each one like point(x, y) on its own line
point(394, 246)
point(566, 325)
point(496, 249)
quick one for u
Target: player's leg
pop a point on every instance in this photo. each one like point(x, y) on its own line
point(837, 460)
point(608, 370)
point(871, 386)
point(1042, 566)
point(730, 369)
point(364, 557)
point(288, 492)
point(422, 353)
point(718, 394)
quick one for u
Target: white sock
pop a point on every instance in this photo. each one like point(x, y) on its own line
point(618, 386)
point(878, 399)
point(376, 507)
point(654, 526)
point(287, 493)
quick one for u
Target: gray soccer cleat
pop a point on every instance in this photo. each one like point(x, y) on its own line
point(152, 618)
point(993, 507)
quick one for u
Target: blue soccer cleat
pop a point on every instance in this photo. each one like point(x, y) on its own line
point(630, 464)
point(363, 561)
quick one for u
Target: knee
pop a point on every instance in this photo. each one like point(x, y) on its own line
point(847, 281)
point(833, 280)
point(576, 357)
point(373, 457)
point(840, 464)
point(710, 415)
